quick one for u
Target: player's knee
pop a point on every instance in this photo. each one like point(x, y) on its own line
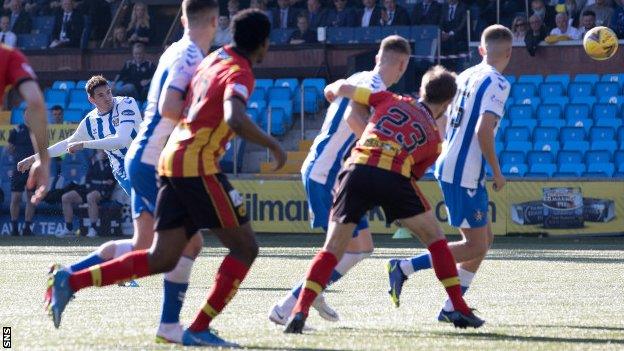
point(107, 250)
point(66, 198)
point(92, 198)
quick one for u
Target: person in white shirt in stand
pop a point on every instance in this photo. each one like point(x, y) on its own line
point(564, 28)
point(7, 37)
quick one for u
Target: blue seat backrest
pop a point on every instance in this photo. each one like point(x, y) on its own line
point(290, 83)
point(601, 133)
point(339, 35)
point(597, 156)
point(572, 134)
point(367, 35)
point(548, 111)
point(564, 79)
point(522, 90)
point(73, 116)
point(279, 93)
point(576, 89)
point(607, 89)
point(78, 95)
point(56, 97)
point(567, 156)
point(264, 83)
point(403, 31)
point(550, 89)
point(534, 157)
point(535, 79)
point(585, 77)
point(318, 83)
point(517, 134)
point(605, 111)
point(520, 112)
point(280, 36)
point(545, 133)
point(63, 85)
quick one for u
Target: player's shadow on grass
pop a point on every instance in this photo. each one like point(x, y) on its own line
point(511, 337)
point(584, 327)
point(291, 348)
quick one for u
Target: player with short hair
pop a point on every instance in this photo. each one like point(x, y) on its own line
point(473, 120)
point(16, 72)
point(399, 143)
point(324, 161)
point(193, 193)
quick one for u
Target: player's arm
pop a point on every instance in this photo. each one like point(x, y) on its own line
point(485, 135)
point(356, 116)
point(36, 116)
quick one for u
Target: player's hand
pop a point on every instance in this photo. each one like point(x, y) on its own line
point(279, 156)
point(38, 179)
point(331, 91)
point(25, 164)
point(75, 147)
point(499, 182)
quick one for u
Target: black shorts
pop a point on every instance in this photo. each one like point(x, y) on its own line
point(18, 181)
point(205, 202)
point(83, 191)
point(360, 188)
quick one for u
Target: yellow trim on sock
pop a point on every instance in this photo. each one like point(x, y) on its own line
point(314, 286)
point(362, 95)
point(210, 311)
point(96, 275)
point(448, 282)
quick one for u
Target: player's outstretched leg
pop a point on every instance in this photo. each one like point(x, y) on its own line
point(426, 228)
point(243, 250)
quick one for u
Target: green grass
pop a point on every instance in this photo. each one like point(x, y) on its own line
point(536, 294)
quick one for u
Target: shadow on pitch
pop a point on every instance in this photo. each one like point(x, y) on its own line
point(583, 327)
point(290, 348)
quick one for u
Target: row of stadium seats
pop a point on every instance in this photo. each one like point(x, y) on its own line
point(41, 33)
point(573, 90)
point(363, 35)
point(563, 134)
point(557, 108)
point(565, 79)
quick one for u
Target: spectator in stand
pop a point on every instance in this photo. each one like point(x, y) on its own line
point(573, 11)
point(370, 15)
point(99, 186)
point(588, 21)
point(317, 16)
point(20, 146)
point(57, 114)
point(603, 12)
point(303, 34)
point(35, 7)
point(341, 15)
point(546, 13)
point(139, 28)
point(20, 21)
point(262, 6)
point(68, 26)
point(7, 37)
point(617, 20)
point(394, 15)
point(97, 20)
point(427, 12)
point(223, 36)
point(453, 32)
point(519, 29)
point(135, 75)
point(119, 38)
point(564, 31)
point(284, 16)
point(536, 34)
point(233, 6)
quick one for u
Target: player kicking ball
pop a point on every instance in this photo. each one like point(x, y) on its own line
point(473, 120)
point(399, 143)
point(193, 193)
point(344, 123)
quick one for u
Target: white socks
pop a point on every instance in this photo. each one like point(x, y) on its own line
point(122, 247)
point(182, 272)
point(465, 279)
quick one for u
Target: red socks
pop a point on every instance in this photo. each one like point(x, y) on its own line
point(129, 266)
point(229, 276)
point(445, 268)
point(318, 275)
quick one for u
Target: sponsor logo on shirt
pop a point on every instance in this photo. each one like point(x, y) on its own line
point(127, 113)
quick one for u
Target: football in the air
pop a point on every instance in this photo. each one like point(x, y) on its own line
point(600, 43)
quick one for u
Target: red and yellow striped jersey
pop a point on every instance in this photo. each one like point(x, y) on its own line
point(199, 140)
point(401, 137)
point(14, 69)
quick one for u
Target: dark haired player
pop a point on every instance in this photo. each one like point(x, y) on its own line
point(193, 193)
point(399, 143)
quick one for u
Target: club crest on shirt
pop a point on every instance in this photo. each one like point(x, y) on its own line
point(116, 121)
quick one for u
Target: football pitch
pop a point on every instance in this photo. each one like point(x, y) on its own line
point(535, 294)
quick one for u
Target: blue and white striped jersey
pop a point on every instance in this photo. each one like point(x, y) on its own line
point(175, 70)
point(112, 132)
point(335, 138)
point(480, 89)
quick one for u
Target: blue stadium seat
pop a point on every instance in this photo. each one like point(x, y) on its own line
point(279, 121)
point(595, 175)
point(280, 36)
point(609, 145)
point(567, 156)
point(564, 79)
point(517, 134)
point(73, 173)
point(56, 97)
point(81, 84)
point(17, 116)
point(310, 100)
point(536, 175)
point(582, 146)
point(564, 175)
point(613, 77)
point(615, 100)
point(7, 159)
point(554, 123)
point(78, 95)
point(33, 41)
point(548, 111)
point(614, 123)
point(517, 170)
point(534, 102)
point(545, 134)
point(559, 100)
point(597, 156)
point(253, 114)
point(264, 83)
point(510, 78)
point(601, 133)
point(576, 168)
point(618, 175)
point(259, 104)
point(620, 134)
point(528, 123)
point(317, 83)
point(584, 123)
point(425, 40)
point(576, 89)
point(537, 157)
point(607, 167)
point(550, 90)
point(43, 24)
point(576, 111)
point(503, 124)
point(64, 85)
point(550, 146)
point(618, 157)
point(285, 105)
point(291, 83)
point(339, 35)
point(607, 89)
point(572, 134)
point(547, 168)
point(81, 106)
point(510, 101)
point(520, 112)
point(621, 168)
point(72, 116)
point(498, 146)
point(587, 100)
point(522, 90)
point(511, 157)
point(279, 93)
point(403, 31)
point(367, 35)
point(523, 146)
point(604, 111)
point(588, 78)
point(259, 93)
point(535, 79)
